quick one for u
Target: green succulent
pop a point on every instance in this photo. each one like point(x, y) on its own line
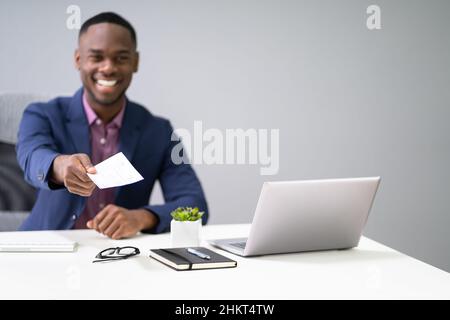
point(186, 214)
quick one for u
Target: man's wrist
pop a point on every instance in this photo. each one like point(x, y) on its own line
point(55, 176)
point(148, 220)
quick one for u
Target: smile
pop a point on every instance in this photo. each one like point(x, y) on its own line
point(106, 83)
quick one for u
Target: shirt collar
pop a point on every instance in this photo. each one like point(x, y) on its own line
point(92, 116)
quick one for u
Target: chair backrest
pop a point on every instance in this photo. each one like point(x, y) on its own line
point(12, 106)
point(16, 196)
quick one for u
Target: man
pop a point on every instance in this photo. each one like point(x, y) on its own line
point(60, 141)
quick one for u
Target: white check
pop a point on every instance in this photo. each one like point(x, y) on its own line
point(114, 172)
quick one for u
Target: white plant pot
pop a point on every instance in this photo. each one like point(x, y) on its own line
point(185, 233)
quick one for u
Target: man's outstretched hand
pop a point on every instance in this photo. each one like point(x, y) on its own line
point(70, 171)
point(117, 222)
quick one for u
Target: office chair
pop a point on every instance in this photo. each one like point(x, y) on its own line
point(16, 196)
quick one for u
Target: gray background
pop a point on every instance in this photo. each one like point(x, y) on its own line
point(348, 101)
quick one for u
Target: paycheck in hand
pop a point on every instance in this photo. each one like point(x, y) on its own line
point(194, 258)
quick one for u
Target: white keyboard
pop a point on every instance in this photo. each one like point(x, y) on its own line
point(37, 246)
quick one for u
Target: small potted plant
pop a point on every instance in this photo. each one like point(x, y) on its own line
point(185, 227)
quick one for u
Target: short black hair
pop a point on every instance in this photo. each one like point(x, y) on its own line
point(109, 17)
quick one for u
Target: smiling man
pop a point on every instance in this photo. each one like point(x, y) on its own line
point(60, 141)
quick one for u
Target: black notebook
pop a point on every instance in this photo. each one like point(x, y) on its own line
point(181, 259)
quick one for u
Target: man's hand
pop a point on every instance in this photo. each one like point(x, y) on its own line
point(117, 222)
point(70, 171)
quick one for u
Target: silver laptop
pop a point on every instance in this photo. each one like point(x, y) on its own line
point(310, 215)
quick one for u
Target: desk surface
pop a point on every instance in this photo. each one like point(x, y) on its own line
point(370, 271)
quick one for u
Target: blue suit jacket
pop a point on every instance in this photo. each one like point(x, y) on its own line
point(60, 127)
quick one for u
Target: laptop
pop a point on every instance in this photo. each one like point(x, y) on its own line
point(310, 215)
point(35, 241)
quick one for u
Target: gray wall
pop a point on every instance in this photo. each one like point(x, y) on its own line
point(348, 101)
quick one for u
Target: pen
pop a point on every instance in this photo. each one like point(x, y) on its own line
point(198, 254)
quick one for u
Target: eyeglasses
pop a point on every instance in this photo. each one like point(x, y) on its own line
point(116, 254)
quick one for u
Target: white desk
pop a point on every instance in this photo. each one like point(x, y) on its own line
point(370, 271)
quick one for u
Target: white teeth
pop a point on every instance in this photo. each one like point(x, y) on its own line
point(107, 83)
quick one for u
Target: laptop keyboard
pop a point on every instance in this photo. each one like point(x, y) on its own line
point(239, 244)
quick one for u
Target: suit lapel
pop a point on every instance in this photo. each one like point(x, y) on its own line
point(129, 132)
point(129, 135)
point(77, 124)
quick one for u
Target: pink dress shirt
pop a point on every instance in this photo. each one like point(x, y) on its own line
point(104, 140)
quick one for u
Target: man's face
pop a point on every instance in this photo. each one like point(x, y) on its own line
point(107, 59)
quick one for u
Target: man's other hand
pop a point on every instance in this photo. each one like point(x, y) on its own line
point(70, 171)
point(117, 222)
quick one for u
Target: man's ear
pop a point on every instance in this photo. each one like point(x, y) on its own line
point(77, 59)
point(136, 62)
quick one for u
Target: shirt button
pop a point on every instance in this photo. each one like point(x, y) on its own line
point(102, 140)
point(98, 122)
point(74, 217)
